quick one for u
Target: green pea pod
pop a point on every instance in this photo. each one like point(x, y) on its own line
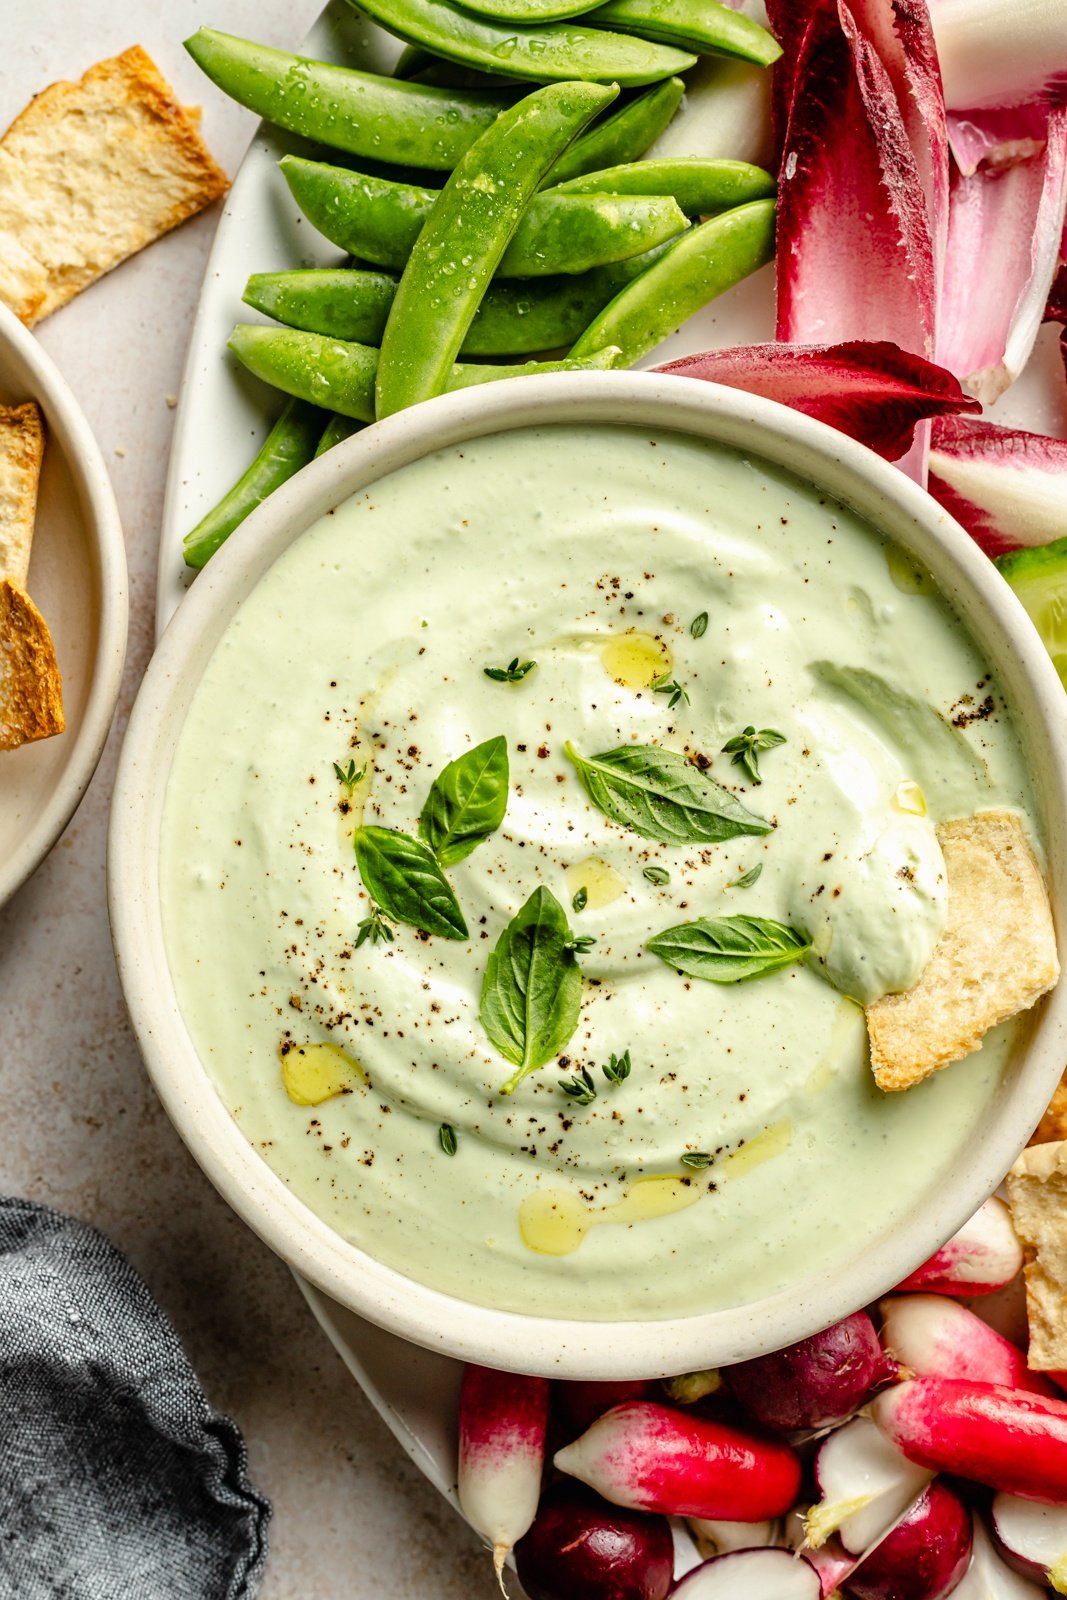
point(289, 445)
point(623, 135)
point(406, 124)
point(703, 26)
point(413, 61)
point(338, 429)
point(379, 221)
point(342, 302)
point(706, 262)
point(530, 11)
point(700, 187)
point(516, 316)
point(341, 375)
point(467, 234)
point(550, 53)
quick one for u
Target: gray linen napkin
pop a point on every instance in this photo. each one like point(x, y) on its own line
point(117, 1480)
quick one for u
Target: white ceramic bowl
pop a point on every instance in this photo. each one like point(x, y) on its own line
point(349, 1275)
point(78, 579)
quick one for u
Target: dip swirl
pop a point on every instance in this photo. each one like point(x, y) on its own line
point(748, 1145)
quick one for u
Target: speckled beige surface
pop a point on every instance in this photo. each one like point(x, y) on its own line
point(80, 1127)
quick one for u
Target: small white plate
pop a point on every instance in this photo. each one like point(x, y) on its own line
point(78, 581)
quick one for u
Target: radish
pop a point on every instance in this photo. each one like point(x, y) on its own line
point(925, 1555)
point(751, 1575)
point(580, 1548)
point(987, 1578)
point(579, 1402)
point(937, 1338)
point(998, 1436)
point(1034, 1538)
point(865, 1484)
point(985, 1255)
point(502, 1421)
point(717, 1538)
point(653, 1458)
point(815, 1382)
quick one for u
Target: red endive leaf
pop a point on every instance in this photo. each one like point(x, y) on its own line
point(871, 390)
point(1005, 236)
point(859, 210)
point(1008, 488)
point(1000, 52)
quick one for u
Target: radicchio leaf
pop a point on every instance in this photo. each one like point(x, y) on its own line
point(1007, 487)
point(871, 390)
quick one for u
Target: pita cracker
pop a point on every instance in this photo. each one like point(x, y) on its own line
point(996, 957)
point(21, 453)
point(31, 692)
point(91, 172)
point(1037, 1194)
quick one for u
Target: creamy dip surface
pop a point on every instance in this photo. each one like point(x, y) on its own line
point(589, 551)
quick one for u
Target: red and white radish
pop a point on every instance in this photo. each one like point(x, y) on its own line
point(923, 1557)
point(935, 1337)
point(579, 1402)
point(815, 1382)
point(751, 1575)
point(987, 1577)
point(984, 1256)
point(1033, 1537)
point(865, 1485)
point(580, 1548)
point(870, 389)
point(653, 1458)
point(503, 1417)
point(1002, 1437)
point(718, 1538)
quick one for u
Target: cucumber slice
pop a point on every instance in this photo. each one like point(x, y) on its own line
point(1039, 578)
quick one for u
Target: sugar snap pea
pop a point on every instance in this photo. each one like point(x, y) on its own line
point(707, 261)
point(700, 187)
point(530, 11)
point(342, 302)
point(623, 135)
point(549, 53)
point(516, 316)
point(407, 124)
point(289, 445)
point(337, 430)
point(379, 221)
point(466, 235)
point(703, 26)
point(339, 375)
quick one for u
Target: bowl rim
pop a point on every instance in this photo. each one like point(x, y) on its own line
point(506, 1339)
point(70, 433)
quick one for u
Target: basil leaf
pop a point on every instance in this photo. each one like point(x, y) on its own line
point(729, 949)
point(662, 796)
point(532, 990)
point(402, 876)
point(466, 802)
